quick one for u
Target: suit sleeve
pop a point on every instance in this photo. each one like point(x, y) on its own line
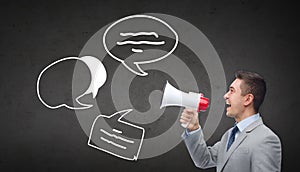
point(203, 156)
point(267, 155)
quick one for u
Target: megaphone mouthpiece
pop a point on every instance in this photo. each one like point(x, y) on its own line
point(203, 104)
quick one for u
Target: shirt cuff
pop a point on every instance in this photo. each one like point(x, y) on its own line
point(188, 132)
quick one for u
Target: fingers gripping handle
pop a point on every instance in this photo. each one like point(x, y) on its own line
point(202, 107)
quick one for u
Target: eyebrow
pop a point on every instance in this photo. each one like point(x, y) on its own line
point(232, 87)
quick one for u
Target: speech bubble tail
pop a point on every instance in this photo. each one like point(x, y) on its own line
point(135, 68)
point(121, 114)
point(95, 92)
point(82, 105)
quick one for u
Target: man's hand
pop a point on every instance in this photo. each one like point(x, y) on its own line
point(190, 116)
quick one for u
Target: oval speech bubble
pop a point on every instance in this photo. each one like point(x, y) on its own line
point(138, 34)
point(98, 78)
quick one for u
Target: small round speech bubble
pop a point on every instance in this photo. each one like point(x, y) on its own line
point(135, 36)
point(98, 74)
point(98, 78)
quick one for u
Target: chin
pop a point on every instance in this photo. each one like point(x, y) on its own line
point(229, 114)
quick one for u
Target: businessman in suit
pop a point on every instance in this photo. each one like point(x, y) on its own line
point(249, 146)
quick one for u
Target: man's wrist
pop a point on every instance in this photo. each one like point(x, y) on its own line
point(189, 132)
point(194, 127)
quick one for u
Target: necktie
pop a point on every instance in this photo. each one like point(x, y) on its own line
point(232, 136)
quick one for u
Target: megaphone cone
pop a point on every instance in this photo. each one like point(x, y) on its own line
point(175, 97)
point(171, 96)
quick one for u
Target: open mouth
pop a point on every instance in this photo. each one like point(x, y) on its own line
point(228, 105)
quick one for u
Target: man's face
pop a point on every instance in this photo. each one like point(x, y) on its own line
point(234, 99)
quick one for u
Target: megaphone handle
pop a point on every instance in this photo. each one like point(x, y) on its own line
point(186, 124)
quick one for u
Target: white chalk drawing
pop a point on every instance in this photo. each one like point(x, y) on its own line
point(117, 131)
point(102, 137)
point(116, 137)
point(141, 42)
point(135, 68)
point(113, 143)
point(136, 50)
point(140, 34)
point(98, 78)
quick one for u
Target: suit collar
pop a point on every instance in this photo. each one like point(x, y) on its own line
point(243, 124)
point(239, 140)
point(254, 125)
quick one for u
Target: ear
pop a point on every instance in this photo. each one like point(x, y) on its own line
point(249, 98)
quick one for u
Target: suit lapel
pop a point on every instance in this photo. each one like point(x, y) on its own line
point(239, 140)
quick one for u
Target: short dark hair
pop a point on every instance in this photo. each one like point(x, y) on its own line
point(253, 84)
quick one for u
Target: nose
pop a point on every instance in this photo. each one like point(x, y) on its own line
point(225, 96)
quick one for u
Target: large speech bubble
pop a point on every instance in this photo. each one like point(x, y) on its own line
point(135, 34)
point(98, 78)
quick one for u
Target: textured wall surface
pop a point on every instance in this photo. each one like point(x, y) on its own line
point(256, 35)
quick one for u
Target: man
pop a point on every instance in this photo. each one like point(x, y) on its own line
point(249, 145)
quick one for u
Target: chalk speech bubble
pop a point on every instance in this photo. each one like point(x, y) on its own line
point(98, 78)
point(117, 141)
point(137, 34)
